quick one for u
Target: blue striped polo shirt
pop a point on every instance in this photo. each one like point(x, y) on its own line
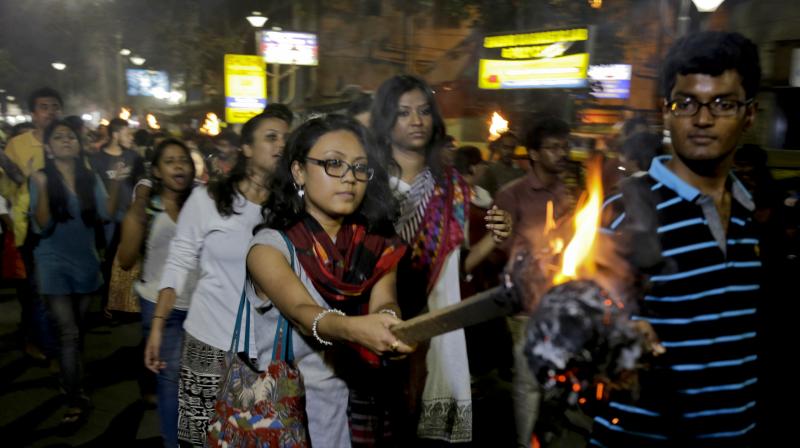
point(701, 392)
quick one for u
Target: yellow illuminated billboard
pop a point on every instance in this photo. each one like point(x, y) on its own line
point(565, 72)
point(245, 87)
point(535, 60)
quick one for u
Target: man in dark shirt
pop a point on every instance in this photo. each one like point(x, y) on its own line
point(526, 200)
point(113, 160)
point(116, 157)
point(702, 305)
point(503, 170)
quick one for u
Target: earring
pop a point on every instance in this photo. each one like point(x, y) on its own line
point(300, 190)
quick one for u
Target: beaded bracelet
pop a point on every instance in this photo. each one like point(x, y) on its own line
point(318, 318)
point(389, 311)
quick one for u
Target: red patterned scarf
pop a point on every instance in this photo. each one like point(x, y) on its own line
point(442, 226)
point(344, 272)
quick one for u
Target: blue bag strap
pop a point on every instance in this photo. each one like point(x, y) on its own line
point(282, 346)
point(237, 329)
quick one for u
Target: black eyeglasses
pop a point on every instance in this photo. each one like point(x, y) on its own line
point(719, 107)
point(339, 168)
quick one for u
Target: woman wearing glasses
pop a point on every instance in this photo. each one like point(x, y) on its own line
point(333, 204)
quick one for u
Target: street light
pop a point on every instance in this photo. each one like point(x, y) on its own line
point(125, 52)
point(59, 65)
point(683, 13)
point(707, 5)
point(256, 19)
point(137, 60)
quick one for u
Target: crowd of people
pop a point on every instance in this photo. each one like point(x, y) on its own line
point(345, 225)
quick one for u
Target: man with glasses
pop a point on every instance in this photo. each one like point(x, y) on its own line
point(526, 200)
point(702, 304)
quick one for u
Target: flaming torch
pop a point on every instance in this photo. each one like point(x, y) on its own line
point(210, 125)
point(578, 253)
point(497, 126)
point(152, 122)
point(578, 332)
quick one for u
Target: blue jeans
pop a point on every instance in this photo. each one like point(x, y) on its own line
point(68, 313)
point(167, 384)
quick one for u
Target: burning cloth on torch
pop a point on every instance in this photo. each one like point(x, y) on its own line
point(579, 330)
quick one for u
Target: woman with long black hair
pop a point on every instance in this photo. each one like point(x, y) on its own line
point(214, 228)
point(67, 204)
point(434, 204)
point(147, 230)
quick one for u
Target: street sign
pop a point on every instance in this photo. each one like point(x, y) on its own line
point(245, 87)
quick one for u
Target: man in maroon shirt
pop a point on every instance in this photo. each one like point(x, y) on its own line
point(526, 200)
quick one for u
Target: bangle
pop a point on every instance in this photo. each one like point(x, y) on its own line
point(389, 311)
point(159, 317)
point(315, 324)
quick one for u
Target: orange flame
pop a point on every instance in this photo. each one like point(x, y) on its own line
point(578, 254)
point(556, 244)
point(124, 113)
point(152, 122)
point(497, 126)
point(210, 125)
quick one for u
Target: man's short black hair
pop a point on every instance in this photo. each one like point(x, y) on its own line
point(44, 92)
point(116, 125)
point(227, 136)
point(712, 53)
point(75, 122)
point(465, 158)
point(363, 103)
point(142, 137)
point(544, 128)
point(642, 148)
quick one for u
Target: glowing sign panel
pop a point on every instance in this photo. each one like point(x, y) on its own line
point(538, 60)
point(245, 87)
point(146, 82)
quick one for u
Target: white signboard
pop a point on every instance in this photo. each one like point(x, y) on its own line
point(610, 81)
point(287, 47)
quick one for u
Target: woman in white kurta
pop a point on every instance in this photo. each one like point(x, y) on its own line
point(213, 233)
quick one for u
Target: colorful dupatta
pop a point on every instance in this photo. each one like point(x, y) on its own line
point(441, 227)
